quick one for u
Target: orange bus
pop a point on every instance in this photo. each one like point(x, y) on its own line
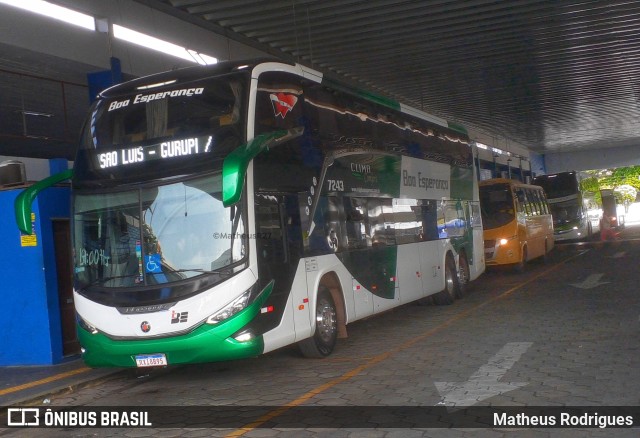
point(517, 223)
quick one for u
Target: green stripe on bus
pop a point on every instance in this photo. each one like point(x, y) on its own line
point(374, 268)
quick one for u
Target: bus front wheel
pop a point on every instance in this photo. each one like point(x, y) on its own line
point(323, 341)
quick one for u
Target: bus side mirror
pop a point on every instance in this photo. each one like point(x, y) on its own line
point(22, 204)
point(234, 166)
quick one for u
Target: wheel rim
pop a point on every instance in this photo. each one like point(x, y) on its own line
point(463, 273)
point(448, 278)
point(326, 320)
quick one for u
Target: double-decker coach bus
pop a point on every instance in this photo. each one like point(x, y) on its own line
point(576, 212)
point(225, 211)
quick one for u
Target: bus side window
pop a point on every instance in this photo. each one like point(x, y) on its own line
point(328, 235)
point(523, 202)
point(380, 212)
point(355, 218)
point(476, 216)
point(429, 211)
point(535, 201)
point(454, 219)
point(407, 221)
point(543, 201)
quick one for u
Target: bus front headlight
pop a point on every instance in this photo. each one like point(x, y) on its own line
point(231, 309)
point(504, 241)
point(85, 325)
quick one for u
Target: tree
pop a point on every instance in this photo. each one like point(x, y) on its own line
point(612, 178)
point(627, 194)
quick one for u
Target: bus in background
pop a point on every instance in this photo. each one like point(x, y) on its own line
point(517, 222)
point(576, 212)
point(225, 211)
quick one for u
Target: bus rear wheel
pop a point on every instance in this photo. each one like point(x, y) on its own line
point(323, 341)
point(463, 276)
point(448, 294)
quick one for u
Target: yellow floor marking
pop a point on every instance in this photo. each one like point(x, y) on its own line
point(379, 358)
point(43, 381)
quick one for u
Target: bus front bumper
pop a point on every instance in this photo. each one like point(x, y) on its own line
point(506, 252)
point(207, 343)
point(570, 234)
point(226, 340)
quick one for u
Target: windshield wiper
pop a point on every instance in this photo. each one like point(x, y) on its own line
point(105, 279)
point(178, 271)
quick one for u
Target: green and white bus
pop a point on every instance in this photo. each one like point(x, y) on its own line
point(576, 212)
point(225, 211)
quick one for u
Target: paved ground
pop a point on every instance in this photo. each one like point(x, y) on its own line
point(564, 333)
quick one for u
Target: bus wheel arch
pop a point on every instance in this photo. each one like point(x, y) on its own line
point(545, 256)
point(331, 281)
point(329, 318)
point(521, 265)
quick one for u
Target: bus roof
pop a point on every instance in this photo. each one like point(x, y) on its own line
point(187, 74)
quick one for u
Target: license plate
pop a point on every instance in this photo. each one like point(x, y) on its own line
point(151, 360)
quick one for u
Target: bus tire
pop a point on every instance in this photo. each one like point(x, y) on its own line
point(324, 338)
point(463, 276)
point(448, 295)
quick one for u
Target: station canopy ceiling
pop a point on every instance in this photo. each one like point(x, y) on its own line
point(555, 76)
point(552, 75)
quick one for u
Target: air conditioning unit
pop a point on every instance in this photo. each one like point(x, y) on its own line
point(12, 173)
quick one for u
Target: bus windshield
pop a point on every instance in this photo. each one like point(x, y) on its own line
point(496, 202)
point(558, 185)
point(155, 235)
point(565, 212)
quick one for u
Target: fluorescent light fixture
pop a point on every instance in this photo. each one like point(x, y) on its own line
point(159, 45)
point(208, 59)
point(54, 11)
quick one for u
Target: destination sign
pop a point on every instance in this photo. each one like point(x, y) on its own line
point(160, 151)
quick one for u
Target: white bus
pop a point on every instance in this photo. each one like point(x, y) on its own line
point(576, 212)
point(225, 211)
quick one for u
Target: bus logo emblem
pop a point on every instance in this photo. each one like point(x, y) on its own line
point(282, 103)
point(177, 317)
point(145, 327)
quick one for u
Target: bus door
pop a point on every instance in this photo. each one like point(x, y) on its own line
point(279, 249)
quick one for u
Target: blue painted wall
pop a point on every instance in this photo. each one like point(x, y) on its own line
point(537, 164)
point(30, 326)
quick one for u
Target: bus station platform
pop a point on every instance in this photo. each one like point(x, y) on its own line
point(20, 385)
